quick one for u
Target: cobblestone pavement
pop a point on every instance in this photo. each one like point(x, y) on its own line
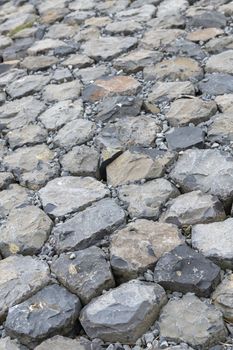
point(116, 174)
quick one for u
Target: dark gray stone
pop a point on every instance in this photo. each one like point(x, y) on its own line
point(208, 19)
point(216, 84)
point(51, 311)
point(87, 275)
point(185, 137)
point(184, 270)
point(185, 47)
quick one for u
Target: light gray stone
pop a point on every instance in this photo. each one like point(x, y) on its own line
point(223, 297)
point(221, 129)
point(27, 85)
point(9, 344)
point(6, 179)
point(221, 63)
point(44, 45)
point(59, 342)
point(29, 135)
point(61, 92)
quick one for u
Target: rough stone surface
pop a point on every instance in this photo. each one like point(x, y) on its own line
point(87, 275)
point(27, 85)
point(52, 310)
point(185, 270)
point(139, 245)
point(178, 322)
point(220, 63)
point(59, 342)
point(65, 91)
point(216, 84)
point(141, 303)
point(89, 226)
point(222, 297)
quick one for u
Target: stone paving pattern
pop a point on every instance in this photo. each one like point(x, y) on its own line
point(116, 174)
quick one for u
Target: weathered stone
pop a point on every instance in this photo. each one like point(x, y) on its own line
point(222, 297)
point(61, 92)
point(78, 17)
point(87, 75)
point(27, 85)
point(18, 113)
point(38, 62)
point(208, 19)
point(221, 129)
point(98, 22)
point(169, 91)
point(156, 38)
point(179, 68)
point(139, 245)
point(110, 86)
point(224, 102)
point(178, 322)
point(9, 344)
point(61, 31)
point(221, 63)
point(137, 164)
point(50, 17)
point(25, 231)
point(218, 45)
point(185, 47)
point(118, 107)
point(216, 84)
point(89, 226)
point(215, 241)
point(227, 9)
point(87, 275)
point(53, 310)
point(196, 169)
point(204, 34)
point(184, 111)
point(32, 165)
point(61, 113)
point(141, 14)
point(62, 75)
point(126, 27)
point(29, 135)
point(78, 61)
point(20, 277)
point(10, 75)
point(59, 342)
point(185, 137)
point(193, 208)
point(125, 313)
point(184, 270)
point(107, 48)
point(15, 21)
point(137, 60)
point(74, 133)
point(81, 161)
point(168, 8)
point(5, 180)
point(146, 200)
point(68, 194)
point(14, 196)
point(42, 46)
point(5, 41)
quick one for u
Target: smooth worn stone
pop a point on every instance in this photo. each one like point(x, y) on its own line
point(78, 61)
point(69, 194)
point(61, 113)
point(36, 63)
point(128, 132)
point(32, 166)
point(146, 200)
point(224, 102)
point(126, 27)
point(184, 270)
point(59, 342)
point(81, 161)
point(222, 297)
point(15, 22)
point(74, 133)
point(218, 45)
point(139, 245)
point(192, 321)
point(14, 196)
point(221, 63)
point(9, 344)
point(107, 48)
point(215, 241)
point(61, 31)
point(179, 68)
point(110, 86)
point(124, 313)
point(29, 135)
point(53, 15)
point(18, 113)
point(137, 164)
point(6, 179)
point(204, 34)
point(61, 92)
point(89, 226)
point(221, 129)
point(193, 208)
point(185, 137)
point(197, 170)
point(87, 34)
point(208, 19)
point(62, 75)
point(25, 231)
point(157, 38)
point(89, 74)
point(51, 311)
point(169, 91)
point(185, 110)
point(10, 75)
point(135, 61)
point(216, 84)
point(87, 275)
point(44, 45)
point(20, 277)
point(27, 85)
point(111, 108)
point(78, 17)
point(141, 14)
